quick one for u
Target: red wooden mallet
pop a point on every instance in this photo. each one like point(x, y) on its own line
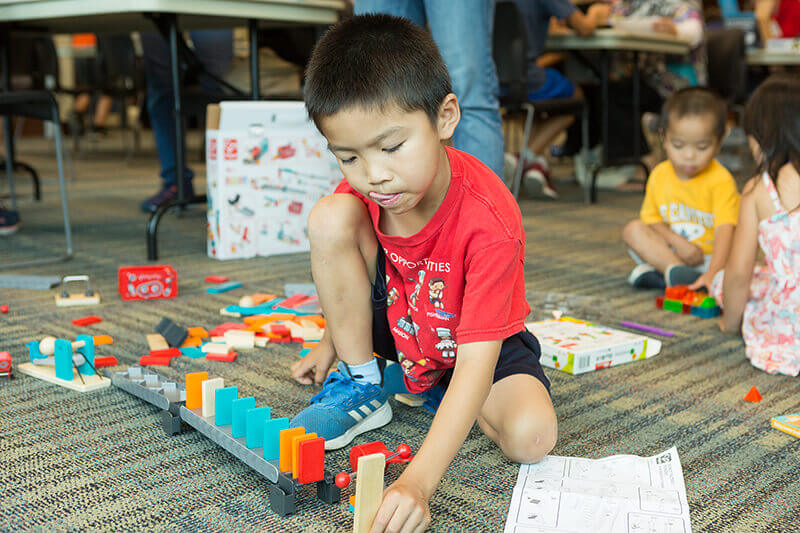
point(402, 455)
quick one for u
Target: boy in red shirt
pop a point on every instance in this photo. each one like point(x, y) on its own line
point(418, 257)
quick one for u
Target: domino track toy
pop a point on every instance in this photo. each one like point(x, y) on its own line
point(287, 457)
point(679, 299)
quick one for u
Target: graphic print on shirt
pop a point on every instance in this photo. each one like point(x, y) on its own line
point(392, 294)
point(688, 222)
point(418, 371)
point(407, 324)
point(446, 344)
point(412, 299)
point(436, 292)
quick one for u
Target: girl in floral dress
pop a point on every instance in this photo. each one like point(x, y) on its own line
point(769, 312)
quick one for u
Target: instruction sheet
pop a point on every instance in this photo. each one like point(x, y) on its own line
point(619, 494)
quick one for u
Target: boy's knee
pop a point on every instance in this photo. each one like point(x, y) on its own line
point(336, 216)
point(527, 439)
point(632, 230)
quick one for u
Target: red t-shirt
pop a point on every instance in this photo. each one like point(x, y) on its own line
point(788, 18)
point(460, 279)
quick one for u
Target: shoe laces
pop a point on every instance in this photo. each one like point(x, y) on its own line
point(336, 383)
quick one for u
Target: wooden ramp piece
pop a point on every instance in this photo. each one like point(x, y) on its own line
point(369, 490)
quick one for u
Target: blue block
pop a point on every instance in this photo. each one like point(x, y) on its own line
point(192, 351)
point(87, 368)
point(63, 359)
point(272, 437)
point(223, 405)
point(305, 351)
point(224, 287)
point(255, 426)
point(705, 312)
point(239, 410)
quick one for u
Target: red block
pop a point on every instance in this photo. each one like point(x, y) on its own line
point(226, 357)
point(311, 461)
point(85, 321)
point(281, 339)
point(659, 302)
point(293, 300)
point(676, 293)
point(107, 360)
point(279, 329)
point(154, 360)
point(169, 352)
point(298, 339)
point(217, 279)
point(220, 330)
point(753, 395)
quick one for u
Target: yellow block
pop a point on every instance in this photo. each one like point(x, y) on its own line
point(194, 389)
point(285, 457)
point(296, 440)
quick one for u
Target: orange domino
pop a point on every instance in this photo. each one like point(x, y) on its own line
point(198, 332)
point(102, 339)
point(192, 342)
point(285, 452)
point(256, 320)
point(259, 298)
point(317, 319)
point(194, 390)
point(310, 344)
point(296, 440)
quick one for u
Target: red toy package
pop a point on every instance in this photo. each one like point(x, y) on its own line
point(149, 282)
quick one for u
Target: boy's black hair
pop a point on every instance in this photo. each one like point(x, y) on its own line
point(373, 62)
point(692, 101)
point(772, 118)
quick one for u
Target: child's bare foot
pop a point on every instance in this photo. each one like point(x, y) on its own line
point(316, 364)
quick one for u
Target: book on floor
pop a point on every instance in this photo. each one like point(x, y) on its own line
point(787, 423)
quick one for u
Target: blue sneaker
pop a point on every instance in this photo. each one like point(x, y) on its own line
point(393, 383)
point(343, 409)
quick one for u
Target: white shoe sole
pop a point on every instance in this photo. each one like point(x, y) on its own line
point(378, 418)
point(9, 230)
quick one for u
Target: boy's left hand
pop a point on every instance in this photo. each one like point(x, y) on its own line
point(404, 509)
point(703, 281)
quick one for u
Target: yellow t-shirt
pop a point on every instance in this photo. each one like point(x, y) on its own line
point(692, 208)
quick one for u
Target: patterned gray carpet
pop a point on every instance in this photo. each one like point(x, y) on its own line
point(100, 461)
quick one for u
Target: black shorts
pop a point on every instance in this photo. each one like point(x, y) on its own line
point(519, 353)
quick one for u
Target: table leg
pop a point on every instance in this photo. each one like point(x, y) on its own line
point(8, 134)
point(605, 67)
point(636, 104)
point(254, 65)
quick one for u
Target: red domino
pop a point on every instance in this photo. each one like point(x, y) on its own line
point(217, 279)
point(279, 329)
point(169, 352)
point(293, 300)
point(154, 360)
point(220, 330)
point(298, 339)
point(226, 357)
point(311, 460)
point(107, 360)
point(85, 321)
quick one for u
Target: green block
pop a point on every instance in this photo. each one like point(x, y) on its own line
point(708, 302)
point(673, 305)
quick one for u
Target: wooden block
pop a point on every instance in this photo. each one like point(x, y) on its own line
point(285, 458)
point(259, 299)
point(369, 490)
point(192, 342)
point(296, 440)
point(261, 341)
point(411, 400)
point(219, 339)
point(157, 360)
point(256, 320)
point(214, 347)
point(48, 374)
point(229, 357)
point(225, 312)
point(311, 461)
point(194, 391)
point(157, 342)
point(102, 339)
point(169, 352)
point(208, 388)
point(198, 332)
point(240, 339)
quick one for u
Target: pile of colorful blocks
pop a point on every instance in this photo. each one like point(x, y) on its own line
point(679, 299)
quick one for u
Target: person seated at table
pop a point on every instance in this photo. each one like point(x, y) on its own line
point(685, 228)
point(214, 49)
point(777, 19)
point(545, 83)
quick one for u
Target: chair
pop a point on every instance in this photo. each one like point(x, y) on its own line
point(509, 51)
point(41, 105)
point(727, 68)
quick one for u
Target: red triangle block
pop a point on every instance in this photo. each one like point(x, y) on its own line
point(753, 395)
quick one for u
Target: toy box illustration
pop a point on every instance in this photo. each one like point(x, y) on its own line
point(267, 165)
point(576, 346)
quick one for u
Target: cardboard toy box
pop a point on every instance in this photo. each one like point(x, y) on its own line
point(577, 346)
point(266, 166)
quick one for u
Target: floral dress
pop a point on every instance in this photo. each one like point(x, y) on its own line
point(771, 320)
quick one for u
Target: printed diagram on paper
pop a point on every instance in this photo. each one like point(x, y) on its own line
point(621, 493)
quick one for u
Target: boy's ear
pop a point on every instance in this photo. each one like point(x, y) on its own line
point(449, 115)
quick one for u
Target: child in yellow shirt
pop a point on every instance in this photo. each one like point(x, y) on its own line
point(685, 227)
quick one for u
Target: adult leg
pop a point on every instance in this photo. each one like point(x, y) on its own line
point(464, 35)
point(214, 48)
point(518, 415)
point(413, 10)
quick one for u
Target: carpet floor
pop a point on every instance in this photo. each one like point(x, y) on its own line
point(101, 461)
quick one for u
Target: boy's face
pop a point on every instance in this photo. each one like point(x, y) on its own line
point(691, 144)
point(395, 158)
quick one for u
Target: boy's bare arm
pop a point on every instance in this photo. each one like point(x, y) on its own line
point(460, 407)
point(690, 253)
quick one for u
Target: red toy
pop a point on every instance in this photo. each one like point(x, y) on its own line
point(149, 282)
point(217, 279)
point(753, 395)
point(402, 455)
point(5, 365)
point(87, 320)
point(3, 309)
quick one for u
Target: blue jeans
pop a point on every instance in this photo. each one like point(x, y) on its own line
point(214, 48)
point(464, 37)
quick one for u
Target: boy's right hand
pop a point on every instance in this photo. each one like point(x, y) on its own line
point(313, 368)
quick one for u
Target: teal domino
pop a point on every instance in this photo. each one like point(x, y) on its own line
point(223, 405)
point(238, 416)
point(254, 422)
point(272, 441)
